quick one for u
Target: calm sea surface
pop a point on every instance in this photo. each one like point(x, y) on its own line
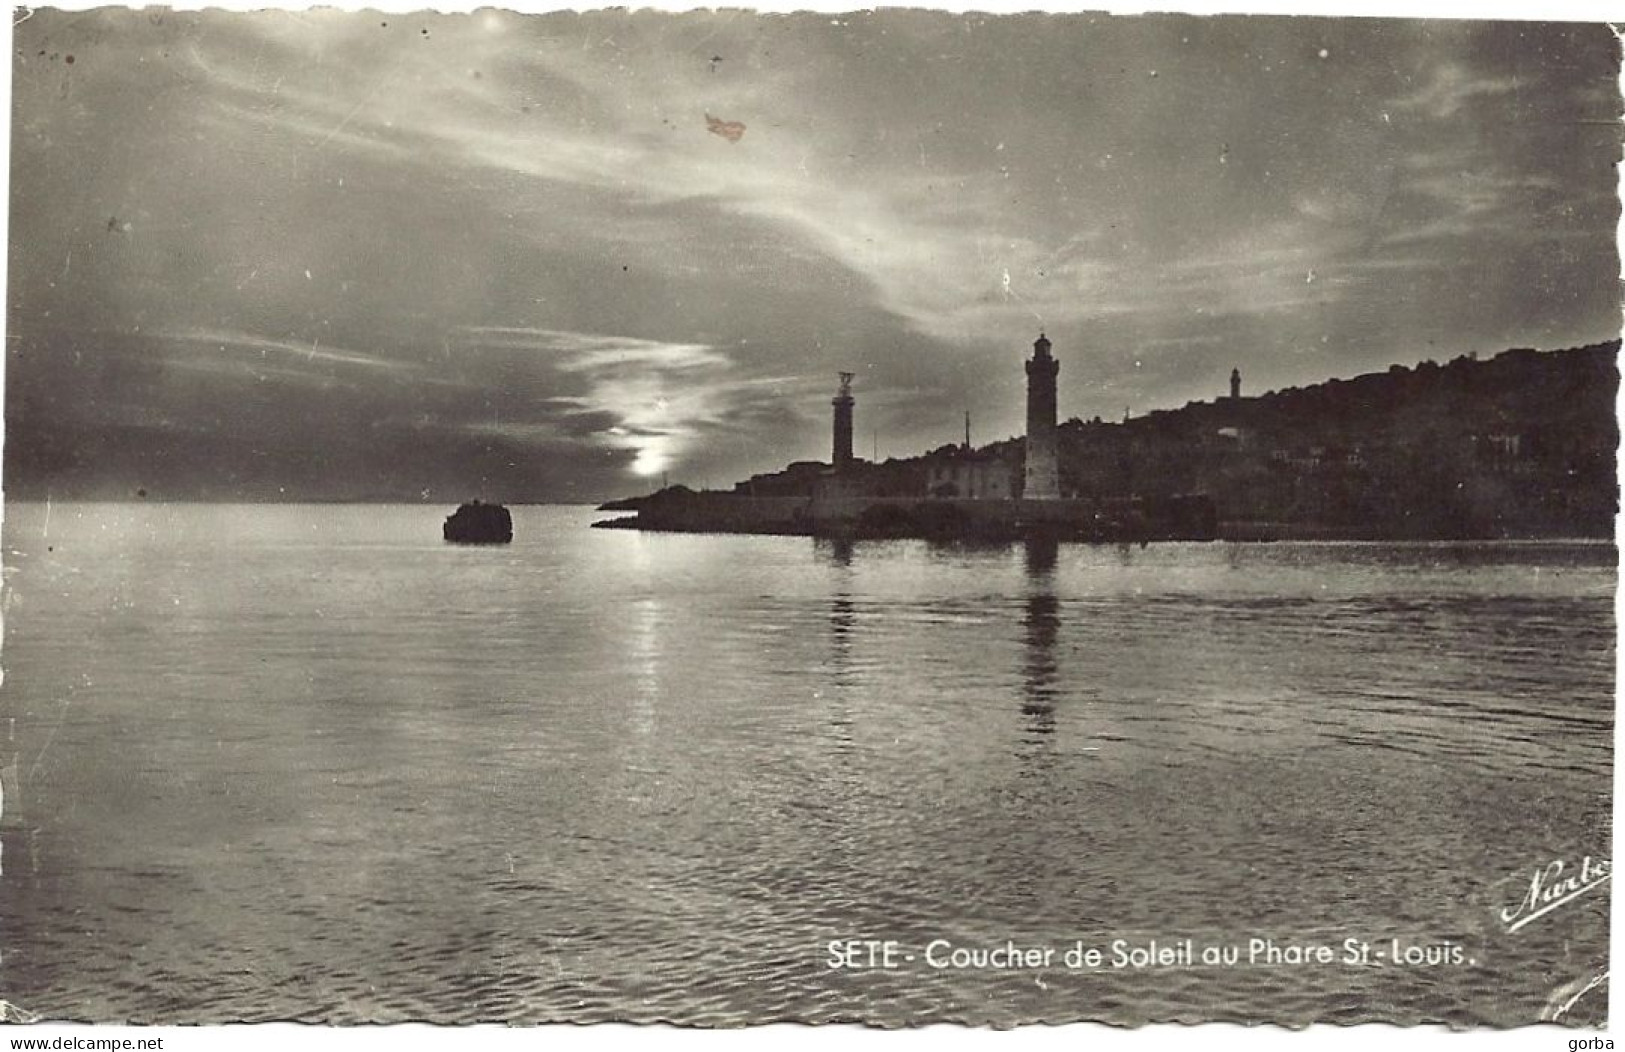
point(310, 763)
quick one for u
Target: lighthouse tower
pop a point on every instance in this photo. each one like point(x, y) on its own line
point(842, 453)
point(1043, 480)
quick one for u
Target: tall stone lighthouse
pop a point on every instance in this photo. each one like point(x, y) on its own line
point(1043, 480)
point(842, 453)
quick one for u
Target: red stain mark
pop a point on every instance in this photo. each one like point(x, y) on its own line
point(733, 131)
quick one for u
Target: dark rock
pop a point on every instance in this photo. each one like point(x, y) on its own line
point(476, 523)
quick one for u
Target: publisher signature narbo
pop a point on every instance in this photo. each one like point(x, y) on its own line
point(1553, 885)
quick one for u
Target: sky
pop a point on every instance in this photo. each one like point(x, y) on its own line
point(364, 256)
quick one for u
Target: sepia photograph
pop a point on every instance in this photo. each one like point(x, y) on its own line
point(726, 518)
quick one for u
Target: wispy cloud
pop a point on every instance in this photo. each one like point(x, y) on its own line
point(943, 273)
point(1471, 195)
point(655, 398)
point(639, 136)
point(520, 229)
point(1453, 87)
point(592, 352)
point(292, 352)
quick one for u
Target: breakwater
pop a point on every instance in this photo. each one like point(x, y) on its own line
point(1184, 518)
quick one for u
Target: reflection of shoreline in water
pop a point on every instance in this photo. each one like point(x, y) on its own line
point(843, 619)
point(837, 551)
point(1041, 624)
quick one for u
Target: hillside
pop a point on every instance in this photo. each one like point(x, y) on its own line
point(1521, 445)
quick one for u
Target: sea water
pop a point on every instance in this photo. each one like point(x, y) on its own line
point(309, 762)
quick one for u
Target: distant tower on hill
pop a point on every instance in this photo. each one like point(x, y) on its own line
point(843, 423)
point(1235, 383)
point(1043, 481)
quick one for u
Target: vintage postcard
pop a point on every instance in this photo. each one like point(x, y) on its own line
point(726, 518)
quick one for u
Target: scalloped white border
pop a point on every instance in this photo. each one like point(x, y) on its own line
point(1074, 1037)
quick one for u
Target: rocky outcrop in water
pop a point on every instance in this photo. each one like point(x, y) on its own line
point(476, 523)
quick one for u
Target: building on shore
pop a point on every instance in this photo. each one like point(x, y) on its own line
point(1043, 476)
point(961, 473)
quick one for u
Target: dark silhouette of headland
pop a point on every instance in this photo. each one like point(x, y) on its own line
point(1518, 446)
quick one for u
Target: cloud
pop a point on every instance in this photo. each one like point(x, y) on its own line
point(590, 352)
point(652, 398)
point(522, 240)
point(1453, 87)
point(926, 263)
point(239, 344)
